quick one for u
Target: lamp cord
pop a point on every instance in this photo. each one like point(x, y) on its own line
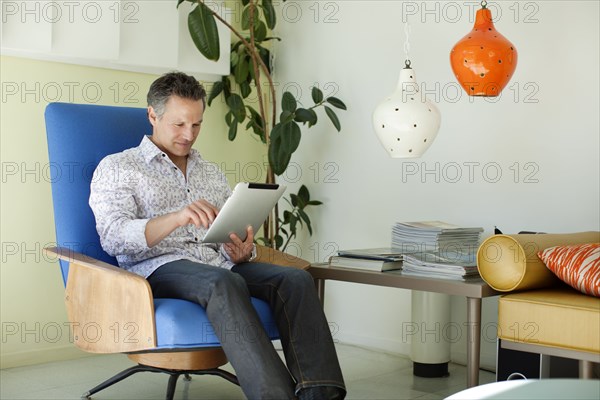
point(407, 43)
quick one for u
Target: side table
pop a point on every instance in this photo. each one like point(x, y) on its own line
point(474, 291)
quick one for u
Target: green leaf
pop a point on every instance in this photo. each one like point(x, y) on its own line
point(303, 115)
point(204, 33)
point(233, 130)
point(314, 120)
point(256, 123)
point(229, 118)
point(294, 199)
point(269, 12)
point(293, 221)
point(251, 76)
point(277, 159)
point(245, 89)
point(265, 56)
point(278, 241)
point(235, 46)
point(226, 87)
point(334, 101)
point(317, 95)
point(285, 117)
point(236, 104)
point(215, 92)
point(241, 70)
point(234, 59)
point(291, 136)
point(306, 219)
point(260, 30)
point(315, 203)
point(334, 119)
point(268, 38)
point(304, 196)
point(288, 102)
point(285, 139)
point(246, 19)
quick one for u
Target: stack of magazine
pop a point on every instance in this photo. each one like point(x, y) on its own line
point(432, 249)
point(434, 236)
point(378, 259)
point(437, 249)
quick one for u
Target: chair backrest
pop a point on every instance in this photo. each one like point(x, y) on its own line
point(79, 136)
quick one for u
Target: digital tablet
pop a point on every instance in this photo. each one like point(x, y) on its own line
point(249, 204)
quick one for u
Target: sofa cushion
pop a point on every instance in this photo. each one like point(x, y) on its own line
point(576, 265)
point(559, 317)
point(510, 262)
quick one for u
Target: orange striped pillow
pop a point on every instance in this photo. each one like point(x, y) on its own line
point(576, 265)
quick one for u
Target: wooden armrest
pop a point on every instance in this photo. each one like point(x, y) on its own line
point(271, 256)
point(110, 310)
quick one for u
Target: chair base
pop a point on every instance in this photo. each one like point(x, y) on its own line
point(204, 362)
point(182, 360)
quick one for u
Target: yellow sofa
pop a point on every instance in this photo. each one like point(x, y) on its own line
point(539, 313)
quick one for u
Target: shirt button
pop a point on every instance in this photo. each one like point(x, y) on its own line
point(163, 154)
point(189, 191)
point(195, 239)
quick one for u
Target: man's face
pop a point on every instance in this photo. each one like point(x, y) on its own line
point(177, 129)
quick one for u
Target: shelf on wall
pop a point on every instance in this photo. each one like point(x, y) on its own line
point(149, 36)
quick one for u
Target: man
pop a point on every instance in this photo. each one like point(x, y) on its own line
point(152, 205)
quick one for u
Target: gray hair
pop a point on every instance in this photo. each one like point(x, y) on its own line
point(174, 83)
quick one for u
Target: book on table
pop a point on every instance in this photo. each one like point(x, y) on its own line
point(375, 259)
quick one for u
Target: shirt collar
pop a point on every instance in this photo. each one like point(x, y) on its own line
point(150, 151)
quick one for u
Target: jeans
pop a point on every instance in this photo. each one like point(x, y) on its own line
point(304, 332)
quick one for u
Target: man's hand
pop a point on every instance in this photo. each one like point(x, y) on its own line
point(240, 251)
point(200, 212)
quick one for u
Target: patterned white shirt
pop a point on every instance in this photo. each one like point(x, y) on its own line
point(132, 187)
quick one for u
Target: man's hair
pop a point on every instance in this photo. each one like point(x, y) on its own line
point(174, 83)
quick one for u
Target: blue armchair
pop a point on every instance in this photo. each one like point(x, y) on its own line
point(112, 310)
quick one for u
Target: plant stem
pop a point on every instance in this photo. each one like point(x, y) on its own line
point(256, 62)
point(287, 242)
point(254, 56)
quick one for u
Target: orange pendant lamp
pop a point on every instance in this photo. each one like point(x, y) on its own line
point(483, 61)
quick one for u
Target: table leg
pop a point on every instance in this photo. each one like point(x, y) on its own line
point(473, 340)
point(320, 285)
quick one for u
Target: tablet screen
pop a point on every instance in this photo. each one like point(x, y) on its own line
point(248, 205)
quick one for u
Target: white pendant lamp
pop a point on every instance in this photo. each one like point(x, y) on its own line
point(406, 123)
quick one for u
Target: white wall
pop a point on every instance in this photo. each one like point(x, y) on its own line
point(542, 135)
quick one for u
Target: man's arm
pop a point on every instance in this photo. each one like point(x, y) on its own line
point(113, 202)
point(197, 213)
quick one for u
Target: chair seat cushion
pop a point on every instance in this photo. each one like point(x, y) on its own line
point(183, 324)
point(560, 317)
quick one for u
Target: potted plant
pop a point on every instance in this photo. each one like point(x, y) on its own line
point(250, 69)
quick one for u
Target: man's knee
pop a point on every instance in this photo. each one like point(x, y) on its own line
point(226, 281)
point(298, 277)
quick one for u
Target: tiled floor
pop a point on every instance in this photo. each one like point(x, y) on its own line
point(368, 374)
